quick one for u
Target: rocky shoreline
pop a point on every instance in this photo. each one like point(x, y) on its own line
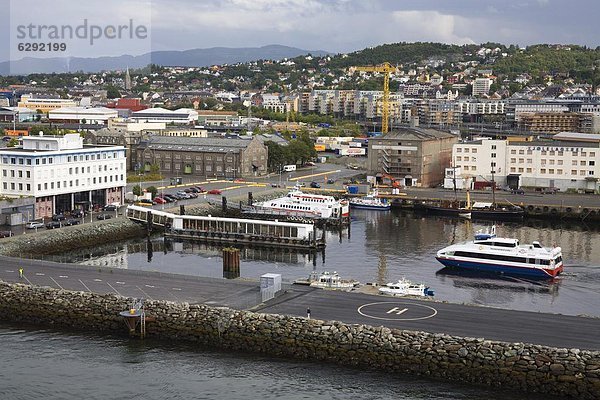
point(567, 373)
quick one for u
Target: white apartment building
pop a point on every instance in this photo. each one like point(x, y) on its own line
point(571, 161)
point(126, 125)
point(481, 86)
point(63, 174)
point(482, 107)
point(274, 103)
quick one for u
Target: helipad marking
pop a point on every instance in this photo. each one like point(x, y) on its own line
point(63, 276)
point(397, 310)
point(97, 280)
point(39, 274)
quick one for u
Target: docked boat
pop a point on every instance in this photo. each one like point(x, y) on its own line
point(327, 280)
point(404, 287)
point(370, 202)
point(488, 253)
point(298, 203)
point(476, 210)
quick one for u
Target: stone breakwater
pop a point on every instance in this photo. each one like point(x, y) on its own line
point(568, 373)
point(70, 238)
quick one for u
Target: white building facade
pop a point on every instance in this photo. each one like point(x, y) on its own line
point(63, 174)
point(87, 115)
point(180, 116)
point(562, 164)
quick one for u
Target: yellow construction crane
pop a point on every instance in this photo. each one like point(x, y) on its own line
point(386, 68)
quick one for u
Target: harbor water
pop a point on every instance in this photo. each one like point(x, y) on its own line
point(383, 247)
point(380, 247)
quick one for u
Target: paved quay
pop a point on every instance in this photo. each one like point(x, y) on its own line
point(436, 317)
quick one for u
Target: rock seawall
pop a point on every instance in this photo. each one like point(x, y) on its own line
point(69, 238)
point(562, 372)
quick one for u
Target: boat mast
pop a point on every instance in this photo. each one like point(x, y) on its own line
point(493, 188)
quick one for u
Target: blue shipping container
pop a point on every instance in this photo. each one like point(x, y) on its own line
point(353, 189)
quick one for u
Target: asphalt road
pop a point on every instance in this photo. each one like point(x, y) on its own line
point(236, 294)
point(436, 317)
point(355, 308)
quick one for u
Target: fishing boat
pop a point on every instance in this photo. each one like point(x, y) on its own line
point(370, 202)
point(404, 287)
point(476, 210)
point(327, 280)
point(300, 204)
point(488, 253)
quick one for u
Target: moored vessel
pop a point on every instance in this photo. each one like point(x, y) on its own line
point(489, 253)
point(404, 287)
point(370, 202)
point(328, 280)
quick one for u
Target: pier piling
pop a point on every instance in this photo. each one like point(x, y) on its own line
point(231, 263)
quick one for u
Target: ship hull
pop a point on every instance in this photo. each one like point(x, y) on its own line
point(481, 266)
point(370, 207)
point(495, 215)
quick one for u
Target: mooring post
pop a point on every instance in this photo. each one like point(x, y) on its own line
point(250, 198)
point(181, 209)
point(231, 263)
point(149, 222)
point(224, 204)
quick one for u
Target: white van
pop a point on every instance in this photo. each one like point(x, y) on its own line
point(289, 168)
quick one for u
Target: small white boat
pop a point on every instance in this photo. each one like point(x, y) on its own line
point(404, 287)
point(327, 280)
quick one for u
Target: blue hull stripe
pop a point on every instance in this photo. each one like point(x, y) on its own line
point(363, 207)
point(506, 269)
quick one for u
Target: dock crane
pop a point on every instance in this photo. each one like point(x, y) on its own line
point(385, 68)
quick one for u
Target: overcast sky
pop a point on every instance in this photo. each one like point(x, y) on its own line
point(334, 25)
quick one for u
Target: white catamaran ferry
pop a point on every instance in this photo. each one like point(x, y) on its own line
point(489, 253)
point(298, 203)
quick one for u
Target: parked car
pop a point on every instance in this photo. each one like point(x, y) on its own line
point(104, 216)
point(34, 224)
point(550, 190)
point(315, 185)
point(330, 181)
point(109, 207)
point(145, 201)
point(275, 185)
point(169, 198)
point(71, 222)
point(517, 191)
point(4, 234)
point(201, 189)
point(194, 190)
point(58, 217)
point(159, 200)
point(214, 191)
point(77, 213)
point(53, 225)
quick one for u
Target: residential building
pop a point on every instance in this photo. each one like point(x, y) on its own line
point(62, 173)
point(412, 156)
point(549, 122)
point(206, 157)
point(184, 116)
point(481, 86)
point(44, 105)
point(82, 115)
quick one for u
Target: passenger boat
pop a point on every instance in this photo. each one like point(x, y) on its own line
point(489, 253)
point(370, 202)
point(327, 280)
point(298, 203)
point(404, 287)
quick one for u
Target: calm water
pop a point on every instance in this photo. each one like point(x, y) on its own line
point(384, 246)
point(44, 364)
